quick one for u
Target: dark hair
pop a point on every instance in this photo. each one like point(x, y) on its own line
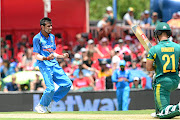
point(80, 72)
point(159, 32)
point(43, 20)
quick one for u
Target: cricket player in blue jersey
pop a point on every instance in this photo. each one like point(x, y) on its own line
point(43, 47)
point(122, 79)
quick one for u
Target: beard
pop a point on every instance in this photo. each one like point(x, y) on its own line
point(47, 31)
point(122, 69)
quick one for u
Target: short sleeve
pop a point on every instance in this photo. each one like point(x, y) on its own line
point(127, 17)
point(151, 55)
point(36, 45)
point(99, 24)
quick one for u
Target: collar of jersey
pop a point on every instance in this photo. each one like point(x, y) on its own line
point(164, 40)
point(44, 36)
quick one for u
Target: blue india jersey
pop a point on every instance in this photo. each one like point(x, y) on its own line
point(121, 74)
point(44, 46)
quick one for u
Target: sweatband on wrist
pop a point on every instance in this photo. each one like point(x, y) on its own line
point(45, 58)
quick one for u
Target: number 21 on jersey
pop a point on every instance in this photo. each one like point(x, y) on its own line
point(168, 59)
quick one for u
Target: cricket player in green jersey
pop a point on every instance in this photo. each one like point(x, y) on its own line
point(164, 59)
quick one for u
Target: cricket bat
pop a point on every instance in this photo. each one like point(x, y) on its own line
point(141, 37)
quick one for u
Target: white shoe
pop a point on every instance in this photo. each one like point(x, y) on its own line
point(154, 115)
point(40, 108)
point(49, 108)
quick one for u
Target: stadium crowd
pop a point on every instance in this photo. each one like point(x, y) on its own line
point(92, 60)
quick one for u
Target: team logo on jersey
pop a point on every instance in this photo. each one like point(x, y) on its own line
point(50, 50)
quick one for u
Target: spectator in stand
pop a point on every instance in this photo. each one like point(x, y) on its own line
point(93, 49)
point(143, 65)
point(86, 68)
point(77, 60)
point(102, 23)
point(136, 72)
point(175, 20)
point(4, 54)
point(114, 39)
point(102, 33)
point(154, 20)
point(141, 20)
point(12, 86)
point(86, 72)
point(4, 69)
point(37, 84)
point(83, 83)
point(147, 19)
point(115, 59)
point(13, 67)
point(122, 79)
point(28, 60)
point(128, 18)
point(19, 57)
point(80, 45)
point(125, 52)
point(111, 21)
point(105, 48)
point(129, 42)
point(123, 48)
point(68, 69)
point(23, 41)
point(84, 54)
point(106, 73)
point(136, 83)
point(87, 64)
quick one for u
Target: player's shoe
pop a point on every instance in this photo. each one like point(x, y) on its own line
point(154, 115)
point(40, 108)
point(49, 108)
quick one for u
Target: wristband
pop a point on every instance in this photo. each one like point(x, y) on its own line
point(46, 58)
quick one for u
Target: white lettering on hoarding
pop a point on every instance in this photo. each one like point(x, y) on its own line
point(105, 104)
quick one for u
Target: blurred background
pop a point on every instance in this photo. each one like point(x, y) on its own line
point(96, 34)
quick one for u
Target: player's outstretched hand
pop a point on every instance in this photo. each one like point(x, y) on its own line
point(51, 56)
point(65, 55)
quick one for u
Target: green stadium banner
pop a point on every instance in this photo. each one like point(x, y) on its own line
point(23, 77)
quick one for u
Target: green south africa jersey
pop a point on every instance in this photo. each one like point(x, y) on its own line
point(166, 56)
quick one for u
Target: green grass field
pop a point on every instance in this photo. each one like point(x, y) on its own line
point(78, 115)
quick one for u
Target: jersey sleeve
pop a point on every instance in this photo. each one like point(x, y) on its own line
point(114, 76)
point(36, 45)
point(54, 44)
point(151, 55)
